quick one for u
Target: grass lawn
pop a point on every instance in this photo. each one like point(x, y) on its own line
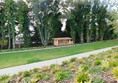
point(15, 59)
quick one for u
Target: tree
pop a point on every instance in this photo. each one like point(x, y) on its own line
point(94, 24)
point(23, 21)
point(2, 25)
point(102, 24)
point(114, 21)
point(10, 21)
point(45, 12)
point(87, 15)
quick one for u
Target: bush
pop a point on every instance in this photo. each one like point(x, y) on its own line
point(109, 56)
point(115, 72)
point(26, 80)
point(62, 75)
point(97, 62)
point(35, 70)
point(72, 67)
point(97, 80)
point(65, 63)
point(104, 64)
point(95, 70)
point(26, 74)
point(4, 77)
point(116, 57)
point(113, 63)
point(52, 66)
point(45, 68)
point(45, 76)
point(36, 78)
point(56, 69)
point(82, 77)
point(91, 56)
point(81, 61)
point(83, 68)
point(73, 59)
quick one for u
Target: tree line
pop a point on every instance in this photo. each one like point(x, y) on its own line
point(36, 22)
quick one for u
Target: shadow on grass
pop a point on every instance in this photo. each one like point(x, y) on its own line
point(33, 60)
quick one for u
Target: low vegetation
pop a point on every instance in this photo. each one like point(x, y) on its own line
point(101, 68)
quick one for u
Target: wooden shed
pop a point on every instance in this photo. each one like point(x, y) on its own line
point(63, 41)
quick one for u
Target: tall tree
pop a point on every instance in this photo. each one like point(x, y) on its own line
point(102, 24)
point(2, 25)
point(44, 13)
point(94, 24)
point(114, 21)
point(10, 21)
point(23, 21)
point(87, 13)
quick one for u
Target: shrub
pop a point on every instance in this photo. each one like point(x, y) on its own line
point(95, 70)
point(35, 69)
point(62, 75)
point(81, 61)
point(104, 64)
point(52, 66)
point(91, 56)
point(83, 68)
point(97, 62)
point(82, 77)
point(65, 63)
point(115, 72)
point(109, 56)
point(56, 69)
point(26, 74)
point(97, 80)
point(45, 68)
point(113, 63)
point(26, 80)
point(36, 78)
point(4, 77)
point(45, 76)
point(73, 59)
point(116, 57)
point(72, 67)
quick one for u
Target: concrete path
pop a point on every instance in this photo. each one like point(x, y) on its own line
point(15, 70)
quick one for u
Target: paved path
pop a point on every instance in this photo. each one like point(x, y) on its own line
point(15, 70)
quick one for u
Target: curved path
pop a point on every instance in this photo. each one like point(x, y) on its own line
point(16, 69)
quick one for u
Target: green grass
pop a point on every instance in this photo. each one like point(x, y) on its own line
point(20, 58)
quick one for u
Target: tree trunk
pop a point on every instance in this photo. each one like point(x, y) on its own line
point(2, 43)
point(96, 35)
point(13, 37)
point(101, 38)
point(9, 39)
point(9, 44)
point(87, 35)
point(101, 34)
point(72, 33)
point(13, 42)
point(81, 37)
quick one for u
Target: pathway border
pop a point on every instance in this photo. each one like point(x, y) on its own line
point(15, 70)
